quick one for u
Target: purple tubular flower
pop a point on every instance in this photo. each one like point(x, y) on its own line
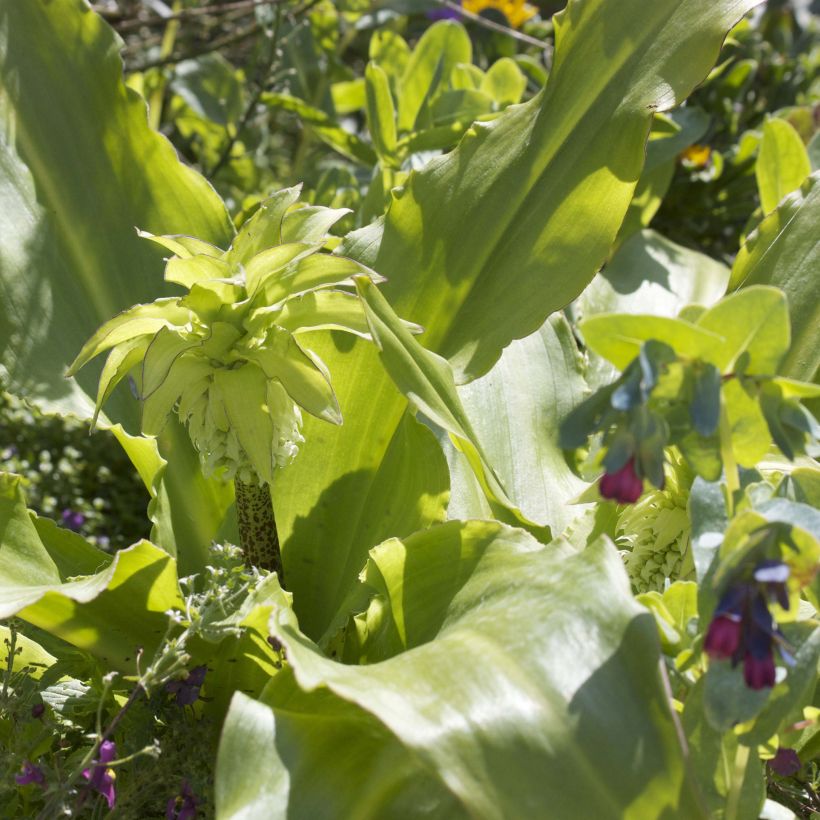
point(187, 690)
point(30, 774)
point(182, 806)
point(100, 777)
point(38, 710)
point(623, 486)
point(758, 672)
point(785, 763)
point(72, 520)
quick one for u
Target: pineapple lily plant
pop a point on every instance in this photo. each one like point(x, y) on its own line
point(225, 357)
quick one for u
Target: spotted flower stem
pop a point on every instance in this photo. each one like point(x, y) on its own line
point(257, 527)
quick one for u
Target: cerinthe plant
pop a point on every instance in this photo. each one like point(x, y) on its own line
point(225, 356)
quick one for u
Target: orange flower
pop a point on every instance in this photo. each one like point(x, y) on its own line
point(517, 12)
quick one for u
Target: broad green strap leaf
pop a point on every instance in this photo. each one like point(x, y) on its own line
point(381, 114)
point(783, 251)
point(478, 718)
point(782, 163)
point(531, 202)
point(71, 258)
point(515, 410)
point(407, 465)
point(427, 381)
point(304, 376)
point(55, 580)
point(528, 204)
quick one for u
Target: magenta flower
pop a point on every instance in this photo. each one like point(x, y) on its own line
point(100, 776)
point(723, 637)
point(623, 486)
point(187, 690)
point(182, 806)
point(742, 627)
point(30, 774)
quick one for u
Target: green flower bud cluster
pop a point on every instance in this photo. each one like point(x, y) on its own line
point(225, 357)
point(655, 533)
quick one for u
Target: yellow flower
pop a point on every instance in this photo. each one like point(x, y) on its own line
point(697, 155)
point(517, 12)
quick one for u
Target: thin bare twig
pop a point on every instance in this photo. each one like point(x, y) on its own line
point(214, 45)
point(262, 74)
point(184, 14)
point(493, 26)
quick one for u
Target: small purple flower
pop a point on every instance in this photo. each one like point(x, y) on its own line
point(785, 763)
point(101, 777)
point(187, 690)
point(72, 520)
point(38, 710)
point(624, 486)
point(442, 13)
point(182, 806)
point(30, 774)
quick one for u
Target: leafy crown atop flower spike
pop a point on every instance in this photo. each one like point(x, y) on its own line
point(225, 356)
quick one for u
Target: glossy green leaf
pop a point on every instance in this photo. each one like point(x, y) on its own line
point(515, 410)
point(242, 392)
point(326, 309)
point(60, 583)
point(329, 131)
point(504, 82)
point(71, 258)
point(619, 337)
point(438, 51)
point(649, 273)
point(427, 381)
point(310, 223)
point(783, 251)
point(714, 760)
point(755, 323)
point(782, 163)
point(476, 718)
point(186, 510)
point(381, 113)
point(304, 376)
point(272, 262)
point(264, 229)
point(528, 204)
